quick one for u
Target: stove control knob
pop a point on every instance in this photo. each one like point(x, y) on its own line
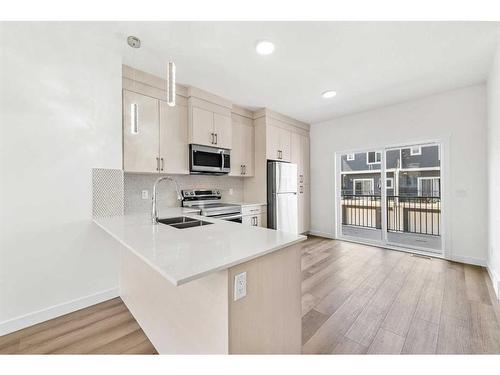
point(218, 192)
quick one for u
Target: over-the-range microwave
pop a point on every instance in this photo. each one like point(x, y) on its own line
point(209, 160)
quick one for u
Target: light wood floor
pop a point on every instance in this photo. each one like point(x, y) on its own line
point(361, 299)
point(106, 328)
point(356, 299)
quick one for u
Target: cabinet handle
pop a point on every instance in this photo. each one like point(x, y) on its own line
point(212, 135)
point(162, 164)
point(158, 164)
point(244, 169)
point(216, 140)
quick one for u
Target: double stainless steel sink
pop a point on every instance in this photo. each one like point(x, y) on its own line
point(183, 222)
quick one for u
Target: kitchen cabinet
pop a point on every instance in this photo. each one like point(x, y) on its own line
point(202, 126)
point(174, 154)
point(159, 143)
point(300, 156)
point(258, 220)
point(223, 131)
point(141, 141)
point(254, 215)
point(304, 202)
point(209, 124)
point(243, 143)
point(278, 143)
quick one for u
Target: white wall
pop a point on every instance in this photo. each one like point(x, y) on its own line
point(60, 115)
point(494, 169)
point(458, 116)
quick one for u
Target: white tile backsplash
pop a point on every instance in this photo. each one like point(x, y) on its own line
point(107, 192)
point(136, 183)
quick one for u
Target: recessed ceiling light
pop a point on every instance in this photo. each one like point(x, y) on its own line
point(328, 94)
point(264, 47)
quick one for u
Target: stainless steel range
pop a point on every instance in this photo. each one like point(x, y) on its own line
point(208, 201)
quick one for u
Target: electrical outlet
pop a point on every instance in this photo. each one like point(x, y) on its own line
point(240, 285)
point(145, 194)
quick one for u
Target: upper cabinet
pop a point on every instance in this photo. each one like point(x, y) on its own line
point(243, 143)
point(209, 119)
point(300, 156)
point(174, 155)
point(155, 136)
point(141, 142)
point(278, 141)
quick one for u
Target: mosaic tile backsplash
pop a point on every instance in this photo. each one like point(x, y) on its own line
point(107, 192)
point(136, 183)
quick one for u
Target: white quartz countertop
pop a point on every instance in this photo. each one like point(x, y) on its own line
point(183, 255)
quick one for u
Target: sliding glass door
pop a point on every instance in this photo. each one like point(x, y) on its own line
point(360, 196)
point(413, 196)
point(401, 209)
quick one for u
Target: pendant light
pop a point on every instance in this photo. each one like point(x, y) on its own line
point(171, 84)
point(134, 42)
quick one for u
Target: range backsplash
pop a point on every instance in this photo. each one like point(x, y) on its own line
point(134, 184)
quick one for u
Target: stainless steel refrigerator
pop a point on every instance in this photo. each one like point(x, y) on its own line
point(282, 196)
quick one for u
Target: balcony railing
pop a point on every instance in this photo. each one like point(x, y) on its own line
point(361, 210)
point(419, 215)
point(405, 214)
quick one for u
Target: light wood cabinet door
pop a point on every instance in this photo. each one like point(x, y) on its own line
point(248, 220)
point(202, 127)
point(248, 140)
point(296, 150)
point(238, 149)
point(285, 140)
point(140, 145)
point(254, 220)
point(273, 142)
point(174, 150)
point(222, 130)
point(300, 156)
point(305, 167)
point(243, 147)
point(303, 202)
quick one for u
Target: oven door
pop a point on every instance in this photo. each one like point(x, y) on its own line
point(205, 159)
point(237, 218)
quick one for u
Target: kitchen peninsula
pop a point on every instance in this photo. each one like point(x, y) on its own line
point(180, 284)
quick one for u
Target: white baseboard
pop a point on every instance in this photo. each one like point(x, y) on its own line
point(495, 280)
point(321, 234)
point(469, 260)
point(23, 321)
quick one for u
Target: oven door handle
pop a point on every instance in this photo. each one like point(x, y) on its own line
point(228, 217)
point(222, 159)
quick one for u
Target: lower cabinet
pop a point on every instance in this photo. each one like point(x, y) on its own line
point(259, 220)
point(254, 215)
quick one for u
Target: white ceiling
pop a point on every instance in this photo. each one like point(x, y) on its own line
point(369, 64)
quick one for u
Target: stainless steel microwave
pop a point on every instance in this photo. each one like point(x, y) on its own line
point(209, 160)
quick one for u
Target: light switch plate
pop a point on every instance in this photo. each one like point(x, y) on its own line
point(240, 285)
point(145, 194)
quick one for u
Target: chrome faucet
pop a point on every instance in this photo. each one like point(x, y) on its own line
point(154, 208)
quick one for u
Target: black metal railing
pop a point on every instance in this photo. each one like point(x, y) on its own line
point(419, 215)
point(361, 210)
point(405, 214)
